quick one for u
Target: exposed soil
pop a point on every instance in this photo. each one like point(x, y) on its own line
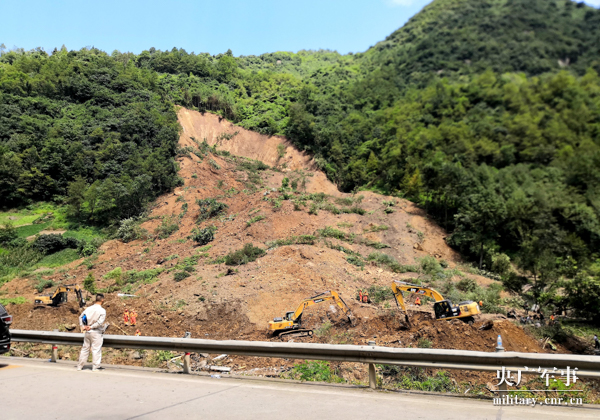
point(212, 305)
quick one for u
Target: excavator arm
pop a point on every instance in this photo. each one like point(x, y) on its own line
point(443, 308)
point(79, 294)
point(292, 321)
point(322, 297)
point(398, 287)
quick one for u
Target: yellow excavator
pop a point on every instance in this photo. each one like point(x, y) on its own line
point(443, 308)
point(60, 295)
point(291, 322)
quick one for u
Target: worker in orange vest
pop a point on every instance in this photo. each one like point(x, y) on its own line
point(418, 301)
point(366, 297)
point(137, 333)
point(126, 317)
point(481, 303)
point(133, 317)
point(360, 295)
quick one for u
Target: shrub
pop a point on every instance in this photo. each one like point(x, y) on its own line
point(87, 248)
point(203, 236)
point(17, 243)
point(467, 285)
point(167, 227)
point(329, 232)
point(280, 150)
point(501, 264)
point(314, 371)
point(429, 265)
point(255, 219)
point(8, 233)
point(129, 230)
point(354, 260)
point(89, 283)
point(378, 294)
point(114, 275)
point(180, 275)
point(43, 284)
point(209, 208)
point(424, 343)
point(380, 258)
point(49, 244)
point(245, 255)
point(376, 245)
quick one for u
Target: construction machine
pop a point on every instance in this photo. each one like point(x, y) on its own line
point(60, 296)
point(443, 308)
point(291, 322)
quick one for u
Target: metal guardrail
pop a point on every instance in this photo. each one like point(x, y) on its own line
point(587, 366)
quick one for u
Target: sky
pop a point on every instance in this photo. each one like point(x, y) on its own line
point(247, 27)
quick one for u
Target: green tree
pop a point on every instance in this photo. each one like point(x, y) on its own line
point(89, 283)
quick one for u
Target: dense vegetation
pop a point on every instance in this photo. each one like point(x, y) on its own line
point(85, 126)
point(485, 112)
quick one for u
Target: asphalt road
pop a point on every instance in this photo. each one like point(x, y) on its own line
point(34, 389)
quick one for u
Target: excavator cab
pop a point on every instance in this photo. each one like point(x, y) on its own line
point(445, 309)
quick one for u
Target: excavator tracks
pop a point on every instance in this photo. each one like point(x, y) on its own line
point(295, 333)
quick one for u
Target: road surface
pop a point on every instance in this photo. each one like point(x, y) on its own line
point(35, 389)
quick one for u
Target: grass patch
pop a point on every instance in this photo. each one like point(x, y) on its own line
point(375, 244)
point(245, 255)
point(255, 219)
point(43, 284)
point(59, 258)
point(314, 371)
point(382, 259)
point(376, 228)
point(417, 379)
point(167, 227)
point(30, 230)
point(292, 240)
point(329, 232)
point(345, 225)
point(115, 275)
point(355, 260)
point(13, 301)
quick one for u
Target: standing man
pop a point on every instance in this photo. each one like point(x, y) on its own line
point(596, 342)
point(93, 328)
point(133, 317)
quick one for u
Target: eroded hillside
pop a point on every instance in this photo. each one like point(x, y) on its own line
point(313, 242)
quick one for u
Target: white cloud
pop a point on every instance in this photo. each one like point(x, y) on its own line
point(404, 2)
point(593, 2)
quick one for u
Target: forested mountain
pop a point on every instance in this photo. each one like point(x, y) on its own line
point(485, 112)
point(85, 125)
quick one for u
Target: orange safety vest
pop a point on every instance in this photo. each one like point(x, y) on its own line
point(418, 300)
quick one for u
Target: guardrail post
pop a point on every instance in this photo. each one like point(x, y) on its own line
point(187, 368)
point(372, 373)
point(503, 387)
point(54, 356)
point(372, 376)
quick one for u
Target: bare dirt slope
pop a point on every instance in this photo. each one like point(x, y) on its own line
point(210, 127)
point(221, 302)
